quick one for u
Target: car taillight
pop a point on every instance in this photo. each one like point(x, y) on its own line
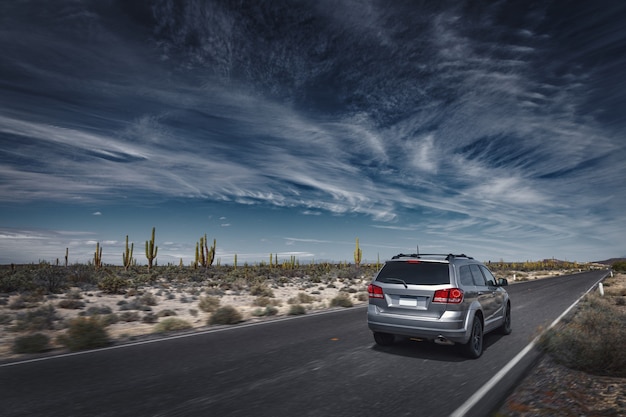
point(375, 291)
point(448, 296)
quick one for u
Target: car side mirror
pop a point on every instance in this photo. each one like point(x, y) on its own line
point(503, 282)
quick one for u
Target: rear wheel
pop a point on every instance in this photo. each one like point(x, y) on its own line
point(474, 347)
point(384, 339)
point(506, 325)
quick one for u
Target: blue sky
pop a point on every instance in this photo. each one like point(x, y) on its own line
point(293, 127)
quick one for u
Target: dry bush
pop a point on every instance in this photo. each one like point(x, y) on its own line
point(296, 309)
point(71, 304)
point(341, 300)
point(85, 333)
point(113, 284)
point(32, 343)
point(593, 340)
point(171, 324)
point(209, 304)
point(43, 318)
point(261, 290)
point(226, 315)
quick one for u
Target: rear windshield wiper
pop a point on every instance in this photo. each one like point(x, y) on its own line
point(398, 280)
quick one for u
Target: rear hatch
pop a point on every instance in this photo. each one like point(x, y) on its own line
point(408, 288)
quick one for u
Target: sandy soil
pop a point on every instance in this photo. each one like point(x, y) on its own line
point(183, 300)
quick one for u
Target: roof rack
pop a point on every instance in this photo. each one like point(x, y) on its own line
point(447, 256)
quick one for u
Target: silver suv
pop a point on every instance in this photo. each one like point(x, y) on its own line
point(448, 299)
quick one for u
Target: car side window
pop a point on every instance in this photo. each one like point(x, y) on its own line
point(491, 280)
point(466, 276)
point(479, 279)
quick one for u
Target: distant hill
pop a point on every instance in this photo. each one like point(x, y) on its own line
point(611, 261)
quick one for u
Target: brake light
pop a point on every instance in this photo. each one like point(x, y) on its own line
point(375, 291)
point(448, 296)
point(412, 261)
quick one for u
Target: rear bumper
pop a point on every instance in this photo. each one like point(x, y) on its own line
point(452, 326)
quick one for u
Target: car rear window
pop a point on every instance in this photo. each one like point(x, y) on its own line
point(417, 273)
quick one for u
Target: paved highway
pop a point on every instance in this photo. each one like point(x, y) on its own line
point(315, 365)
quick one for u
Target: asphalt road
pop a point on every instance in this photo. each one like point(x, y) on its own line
point(314, 365)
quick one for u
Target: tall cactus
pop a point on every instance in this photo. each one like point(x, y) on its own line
point(358, 253)
point(205, 255)
point(97, 256)
point(67, 253)
point(127, 255)
point(151, 250)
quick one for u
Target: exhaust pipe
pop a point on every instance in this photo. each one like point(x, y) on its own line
point(440, 340)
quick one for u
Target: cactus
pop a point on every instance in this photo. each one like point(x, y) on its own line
point(127, 255)
point(205, 255)
point(235, 261)
point(67, 253)
point(211, 254)
point(358, 253)
point(97, 256)
point(151, 250)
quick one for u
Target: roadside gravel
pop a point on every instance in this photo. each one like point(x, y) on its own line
point(552, 389)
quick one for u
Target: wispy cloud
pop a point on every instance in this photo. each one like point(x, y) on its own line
point(419, 119)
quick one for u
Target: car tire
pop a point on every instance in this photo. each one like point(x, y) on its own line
point(384, 339)
point(474, 346)
point(506, 326)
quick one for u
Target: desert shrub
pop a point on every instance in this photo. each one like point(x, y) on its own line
point(150, 318)
point(113, 284)
point(296, 309)
point(133, 305)
point(166, 313)
point(193, 312)
point(262, 301)
point(226, 315)
point(71, 304)
point(593, 340)
point(51, 280)
point(362, 296)
point(267, 311)
point(73, 294)
point(619, 266)
point(341, 300)
point(6, 319)
point(302, 298)
point(148, 299)
point(15, 282)
point(33, 343)
point(85, 333)
point(261, 290)
point(109, 319)
point(94, 310)
point(209, 304)
point(82, 276)
point(171, 324)
point(129, 316)
point(42, 318)
point(18, 303)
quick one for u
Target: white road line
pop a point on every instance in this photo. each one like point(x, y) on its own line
point(478, 395)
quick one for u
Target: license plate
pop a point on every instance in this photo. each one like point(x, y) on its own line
point(408, 302)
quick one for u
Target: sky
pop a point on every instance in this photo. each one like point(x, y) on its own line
point(490, 128)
